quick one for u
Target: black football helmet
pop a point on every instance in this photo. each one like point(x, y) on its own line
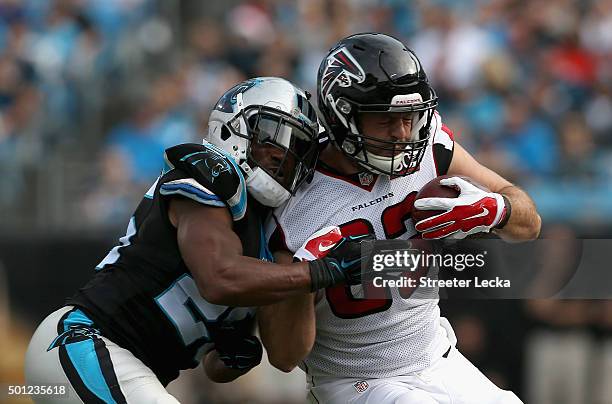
point(373, 72)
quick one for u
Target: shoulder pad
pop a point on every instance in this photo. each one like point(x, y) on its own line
point(213, 177)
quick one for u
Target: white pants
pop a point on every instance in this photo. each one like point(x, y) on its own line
point(451, 380)
point(93, 368)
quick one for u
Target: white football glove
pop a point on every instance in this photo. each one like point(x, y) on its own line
point(474, 211)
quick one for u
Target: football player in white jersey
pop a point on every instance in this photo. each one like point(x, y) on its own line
point(387, 142)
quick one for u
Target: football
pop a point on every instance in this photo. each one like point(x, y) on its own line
point(433, 189)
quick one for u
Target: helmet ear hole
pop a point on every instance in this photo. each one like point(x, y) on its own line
point(225, 133)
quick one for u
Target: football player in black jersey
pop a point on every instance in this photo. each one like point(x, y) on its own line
point(180, 286)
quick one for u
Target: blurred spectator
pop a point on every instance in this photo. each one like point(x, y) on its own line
point(603, 355)
point(561, 346)
point(19, 100)
point(158, 123)
point(509, 74)
point(559, 352)
point(112, 201)
point(528, 139)
point(526, 87)
point(577, 148)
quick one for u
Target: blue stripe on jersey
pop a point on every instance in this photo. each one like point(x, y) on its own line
point(239, 210)
point(191, 192)
point(192, 154)
point(84, 358)
point(168, 187)
point(77, 317)
point(167, 165)
point(264, 252)
point(85, 361)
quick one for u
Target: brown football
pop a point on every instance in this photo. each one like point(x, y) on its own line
point(433, 189)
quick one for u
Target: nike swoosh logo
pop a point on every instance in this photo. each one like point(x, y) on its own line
point(323, 248)
point(484, 212)
point(345, 264)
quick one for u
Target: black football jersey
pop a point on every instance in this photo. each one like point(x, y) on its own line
point(142, 296)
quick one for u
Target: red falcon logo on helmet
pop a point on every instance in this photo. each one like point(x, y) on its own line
point(341, 69)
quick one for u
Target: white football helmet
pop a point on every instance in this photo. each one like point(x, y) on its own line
point(269, 117)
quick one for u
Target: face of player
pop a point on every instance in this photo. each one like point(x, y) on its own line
point(385, 127)
point(271, 157)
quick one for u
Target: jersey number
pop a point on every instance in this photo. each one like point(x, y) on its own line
point(190, 313)
point(340, 298)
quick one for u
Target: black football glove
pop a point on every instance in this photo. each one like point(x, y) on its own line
point(236, 348)
point(341, 265)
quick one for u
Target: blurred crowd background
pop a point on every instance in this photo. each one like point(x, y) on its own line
point(93, 91)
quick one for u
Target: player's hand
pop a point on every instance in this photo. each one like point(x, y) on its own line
point(473, 211)
point(236, 348)
point(333, 258)
point(318, 244)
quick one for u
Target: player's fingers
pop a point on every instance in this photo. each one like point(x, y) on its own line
point(435, 222)
point(303, 255)
point(458, 235)
point(458, 182)
point(435, 203)
point(439, 233)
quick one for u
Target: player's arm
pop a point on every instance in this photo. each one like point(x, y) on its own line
point(292, 320)
point(204, 203)
point(213, 253)
point(523, 222)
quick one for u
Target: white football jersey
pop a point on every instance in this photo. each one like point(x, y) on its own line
point(357, 337)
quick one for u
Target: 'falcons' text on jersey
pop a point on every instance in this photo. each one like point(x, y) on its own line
point(357, 337)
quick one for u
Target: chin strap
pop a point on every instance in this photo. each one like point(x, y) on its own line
point(265, 189)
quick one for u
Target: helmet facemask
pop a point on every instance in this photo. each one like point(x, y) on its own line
point(270, 129)
point(281, 151)
point(390, 157)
